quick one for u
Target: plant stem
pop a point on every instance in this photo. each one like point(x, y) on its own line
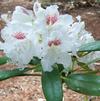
point(35, 74)
point(86, 98)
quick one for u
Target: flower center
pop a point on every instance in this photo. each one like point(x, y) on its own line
point(19, 35)
point(55, 42)
point(51, 20)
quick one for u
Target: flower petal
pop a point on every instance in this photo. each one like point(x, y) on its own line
point(22, 15)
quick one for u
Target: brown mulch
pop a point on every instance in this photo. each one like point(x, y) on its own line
point(91, 16)
point(29, 89)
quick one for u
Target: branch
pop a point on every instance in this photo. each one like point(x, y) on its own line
point(35, 74)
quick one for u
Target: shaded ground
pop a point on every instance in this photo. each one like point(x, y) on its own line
point(29, 88)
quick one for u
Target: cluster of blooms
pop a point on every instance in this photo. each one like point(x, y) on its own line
point(45, 34)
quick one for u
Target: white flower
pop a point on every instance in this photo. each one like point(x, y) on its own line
point(54, 49)
point(22, 15)
point(50, 15)
point(10, 32)
point(86, 37)
point(39, 39)
point(18, 45)
point(55, 56)
point(79, 35)
point(20, 52)
point(90, 59)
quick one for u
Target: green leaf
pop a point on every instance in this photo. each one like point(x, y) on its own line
point(35, 61)
point(60, 67)
point(81, 54)
point(38, 68)
point(52, 85)
point(93, 46)
point(83, 65)
point(88, 84)
point(3, 60)
point(5, 74)
point(98, 1)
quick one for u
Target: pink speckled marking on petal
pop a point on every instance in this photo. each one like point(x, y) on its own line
point(55, 42)
point(51, 20)
point(19, 35)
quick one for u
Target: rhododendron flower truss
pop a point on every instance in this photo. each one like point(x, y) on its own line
point(44, 33)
